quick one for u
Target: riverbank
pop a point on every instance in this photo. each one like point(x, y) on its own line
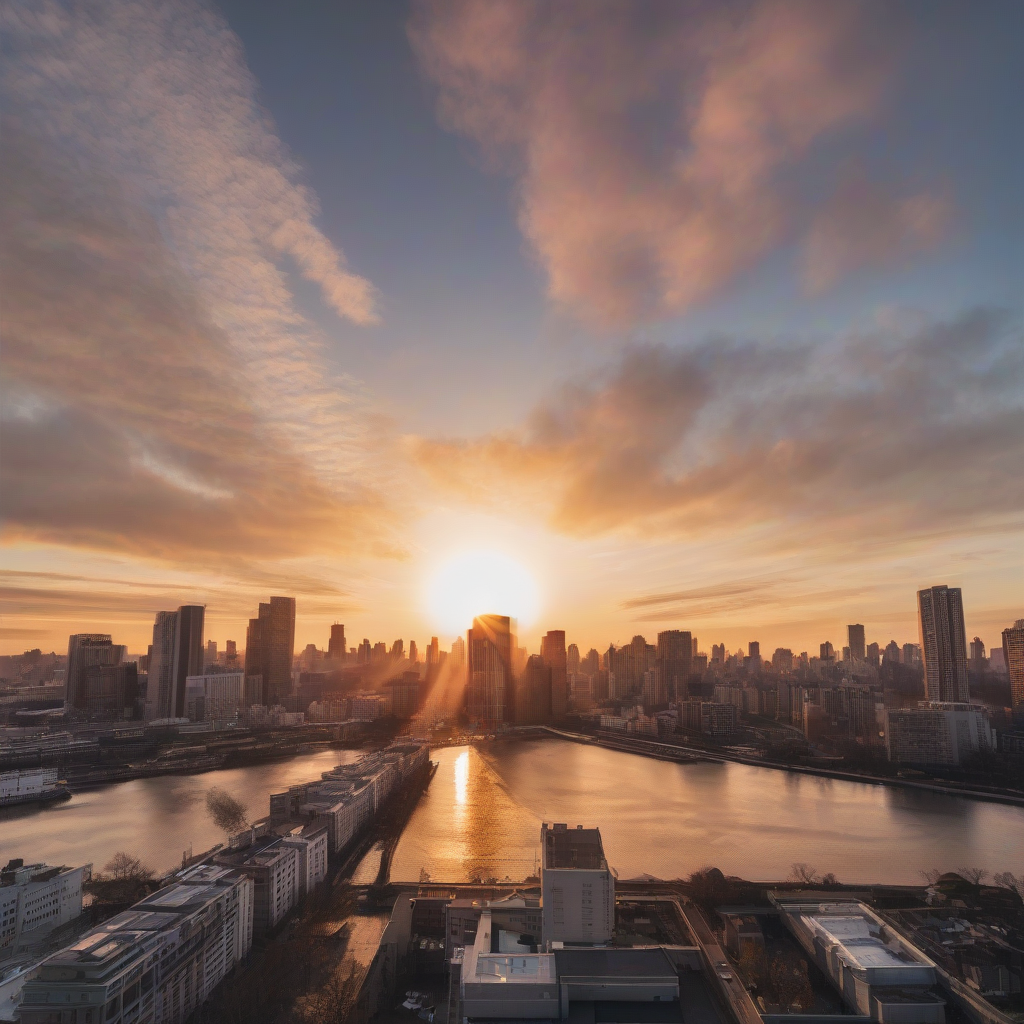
point(683, 755)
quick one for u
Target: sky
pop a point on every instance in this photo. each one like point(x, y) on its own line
point(700, 316)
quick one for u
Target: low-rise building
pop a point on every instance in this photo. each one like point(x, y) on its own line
point(156, 962)
point(879, 973)
point(36, 898)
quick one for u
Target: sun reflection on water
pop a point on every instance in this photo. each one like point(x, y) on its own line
point(461, 777)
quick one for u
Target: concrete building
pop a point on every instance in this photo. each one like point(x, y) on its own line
point(516, 915)
point(216, 697)
point(936, 733)
point(879, 974)
point(943, 643)
point(36, 898)
point(270, 647)
point(555, 658)
point(855, 641)
point(490, 678)
point(156, 962)
point(516, 985)
point(1013, 657)
point(533, 693)
point(675, 659)
point(177, 653)
point(273, 866)
point(577, 887)
point(97, 679)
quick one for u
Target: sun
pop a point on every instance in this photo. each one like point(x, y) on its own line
point(473, 583)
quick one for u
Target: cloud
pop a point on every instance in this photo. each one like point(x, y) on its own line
point(872, 438)
point(162, 394)
point(865, 226)
point(655, 145)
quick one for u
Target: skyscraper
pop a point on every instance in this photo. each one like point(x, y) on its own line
point(855, 639)
point(943, 643)
point(91, 656)
point(675, 659)
point(433, 652)
point(553, 653)
point(1013, 655)
point(572, 659)
point(414, 654)
point(458, 656)
point(336, 646)
point(977, 654)
point(533, 693)
point(489, 679)
point(270, 646)
point(177, 654)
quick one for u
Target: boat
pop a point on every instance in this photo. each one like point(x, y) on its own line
point(31, 786)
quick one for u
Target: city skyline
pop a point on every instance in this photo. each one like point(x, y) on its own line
point(703, 319)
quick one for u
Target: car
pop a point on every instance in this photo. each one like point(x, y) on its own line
point(722, 970)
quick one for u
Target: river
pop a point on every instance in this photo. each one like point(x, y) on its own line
point(481, 817)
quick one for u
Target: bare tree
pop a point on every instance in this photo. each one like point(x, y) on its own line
point(124, 879)
point(931, 876)
point(973, 875)
point(805, 873)
point(829, 880)
point(1007, 880)
point(228, 814)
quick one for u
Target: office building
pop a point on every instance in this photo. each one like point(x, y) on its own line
point(217, 697)
point(826, 652)
point(533, 693)
point(177, 653)
point(937, 733)
point(336, 649)
point(158, 961)
point(270, 647)
point(675, 659)
point(404, 691)
point(577, 887)
point(1013, 658)
point(433, 653)
point(92, 679)
point(572, 659)
point(873, 653)
point(211, 654)
point(943, 644)
point(457, 658)
point(36, 898)
point(490, 678)
point(855, 641)
point(552, 650)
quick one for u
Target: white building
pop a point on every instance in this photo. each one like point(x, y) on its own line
point(577, 887)
point(937, 733)
point(36, 898)
point(214, 697)
point(156, 962)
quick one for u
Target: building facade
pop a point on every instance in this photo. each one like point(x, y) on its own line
point(36, 898)
point(577, 886)
point(943, 643)
point(1013, 658)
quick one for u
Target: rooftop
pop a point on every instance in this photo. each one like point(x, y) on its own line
point(577, 847)
point(614, 963)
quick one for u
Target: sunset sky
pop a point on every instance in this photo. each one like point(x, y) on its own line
point(707, 316)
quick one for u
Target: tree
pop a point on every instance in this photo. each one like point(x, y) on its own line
point(973, 875)
point(804, 873)
point(1007, 880)
point(124, 879)
point(829, 880)
point(931, 876)
point(228, 814)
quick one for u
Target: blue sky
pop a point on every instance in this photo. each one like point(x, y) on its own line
point(311, 298)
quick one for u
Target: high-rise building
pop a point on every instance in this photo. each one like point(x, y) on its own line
point(533, 693)
point(591, 664)
point(433, 652)
point(458, 655)
point(855, 640)
point(552, 650)
point(572, 659)
point(826, 652)
point(943, 643)
point(87, 653)
point(177, 654)
point(977, 657)
point(211, 652)
point(873, 654)
point(489, 680)
point(718, 653)
point(1013, 656)
point(414, 654)
point(578, 888)
point(336, 646)
point(270, 647)
point(675, 659)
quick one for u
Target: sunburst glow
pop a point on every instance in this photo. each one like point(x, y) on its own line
point(473, 583)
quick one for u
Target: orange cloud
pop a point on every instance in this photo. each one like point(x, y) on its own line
point(877, 437)
point(650, 141)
